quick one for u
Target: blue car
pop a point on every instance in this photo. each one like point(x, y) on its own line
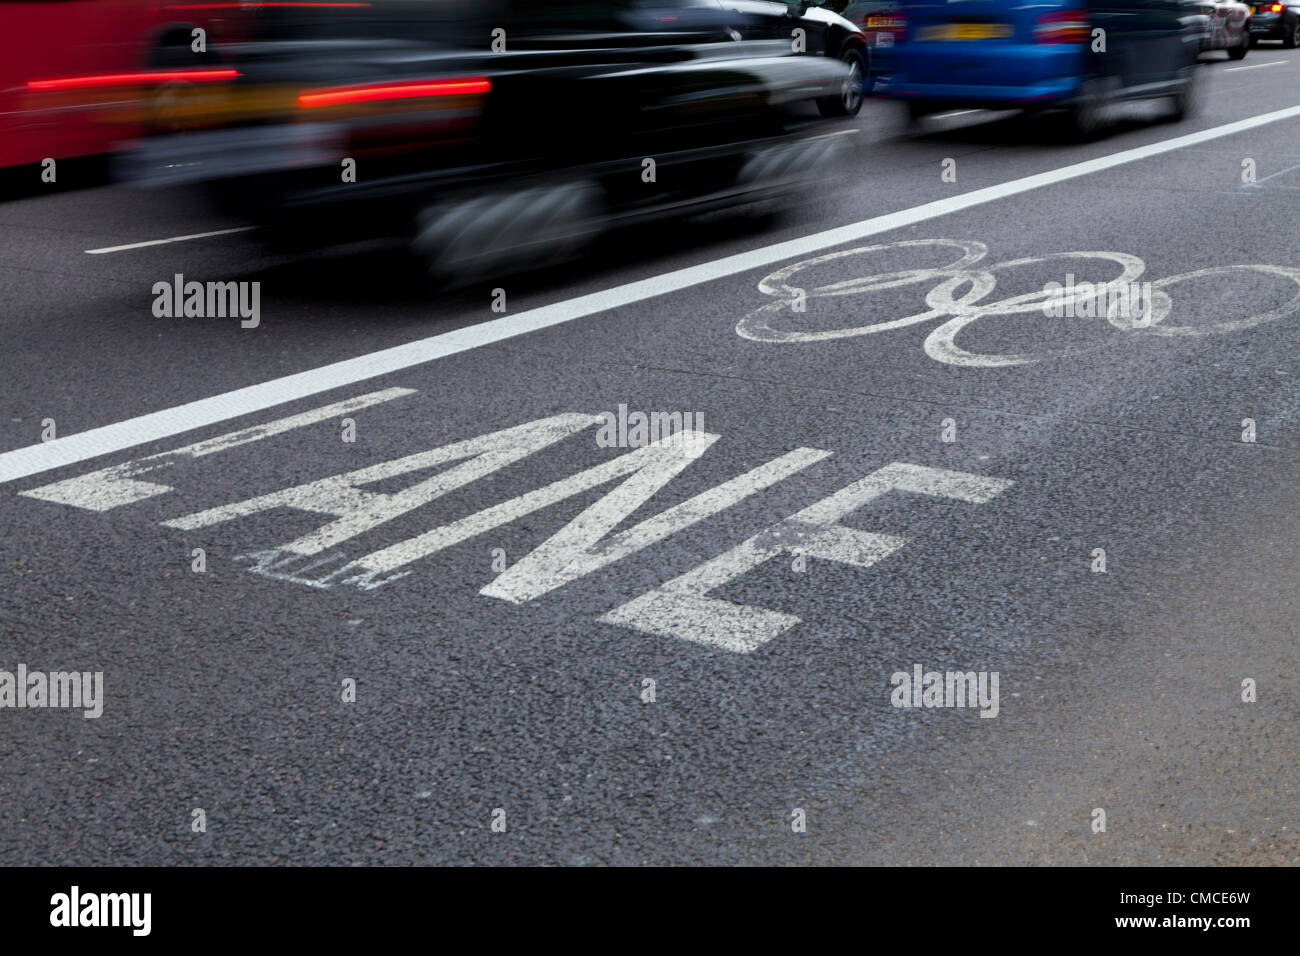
point(1078, 55)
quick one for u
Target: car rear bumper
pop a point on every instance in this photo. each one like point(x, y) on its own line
point(988, 74)
point(1048, 93)
point(1268, 26)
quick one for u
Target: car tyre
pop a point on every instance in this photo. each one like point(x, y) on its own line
point(1188, 98)
point(914, 111)
point(463, 240)
point(1292, 39)
point(848, 102)
point(1091, 112)
point(1239, 51)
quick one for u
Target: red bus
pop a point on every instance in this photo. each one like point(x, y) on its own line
point(74, 74)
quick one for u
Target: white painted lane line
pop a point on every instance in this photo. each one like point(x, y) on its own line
point(34, 459)
point(163, 242)
point(1255, 66)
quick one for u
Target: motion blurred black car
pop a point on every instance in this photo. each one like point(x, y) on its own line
point(1276, 21)
point(499, 135)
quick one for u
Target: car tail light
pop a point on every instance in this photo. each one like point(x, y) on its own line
point(1275, 8)
point(900, 25)
point(378, 92)
point(1063, 26)
point(137, 78)
point(247, 5)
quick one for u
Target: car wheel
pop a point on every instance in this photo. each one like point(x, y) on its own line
point(849, 100)
point(1188, 98)
point(461, 240)
point(1238, 52)
point(1292, 39)
point(916, 110)
point(1091, 111)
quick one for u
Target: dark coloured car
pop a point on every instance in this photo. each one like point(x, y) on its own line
point(505, 137)
point(1079, 55)
point(1226, 25)
point(823, 32)
point(1276, 21)
point(881, 24)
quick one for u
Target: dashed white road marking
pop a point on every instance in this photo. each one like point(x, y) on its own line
point(1256, 66)
point(33, 459)
point(163, 242)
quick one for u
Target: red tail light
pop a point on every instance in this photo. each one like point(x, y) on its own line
point(1275, 8)
point(372, 92)
point(247, 5)
point(903, 25)
point(132, 79)
point(1063, 26)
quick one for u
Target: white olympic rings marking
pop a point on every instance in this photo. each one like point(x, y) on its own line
point(945, 301)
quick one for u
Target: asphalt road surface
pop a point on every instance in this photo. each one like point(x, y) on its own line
point(891, 466)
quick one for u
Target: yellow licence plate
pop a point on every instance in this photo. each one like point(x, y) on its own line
point(967, 31)
point(884, 22)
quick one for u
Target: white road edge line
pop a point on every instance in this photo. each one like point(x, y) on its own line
point(163, 242)
point(1255, 66)
point(34, 459)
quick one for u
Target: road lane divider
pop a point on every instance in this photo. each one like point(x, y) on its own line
point(164, 242)
point(23, 462)
point(1255, 66)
